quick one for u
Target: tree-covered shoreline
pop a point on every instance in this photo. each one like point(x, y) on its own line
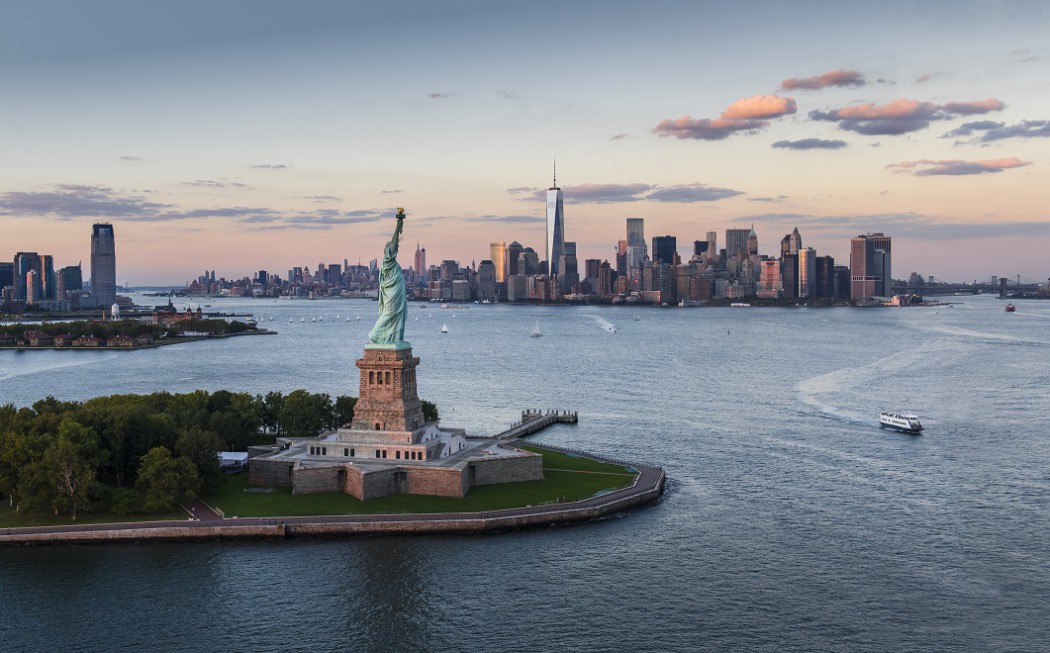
point(129, 454)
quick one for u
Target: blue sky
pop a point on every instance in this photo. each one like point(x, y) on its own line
point(240, 135)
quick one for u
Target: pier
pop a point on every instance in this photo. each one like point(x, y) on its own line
point(533, 421)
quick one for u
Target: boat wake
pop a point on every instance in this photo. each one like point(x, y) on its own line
point(606, 325)
point(37, 367)
point(818, 392)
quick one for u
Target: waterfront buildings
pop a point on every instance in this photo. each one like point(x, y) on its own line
point(103, 264)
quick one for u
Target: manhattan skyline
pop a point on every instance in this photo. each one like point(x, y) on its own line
point(245, 133)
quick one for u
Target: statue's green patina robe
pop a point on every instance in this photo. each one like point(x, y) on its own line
point(389, 330)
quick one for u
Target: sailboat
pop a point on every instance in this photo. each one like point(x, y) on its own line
point(444, 328)
point(290, 320)
point(347, 318)
point(301, 319)
point(535, 333)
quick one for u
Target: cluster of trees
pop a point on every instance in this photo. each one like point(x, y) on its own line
point(133, 328)
point(145, 453)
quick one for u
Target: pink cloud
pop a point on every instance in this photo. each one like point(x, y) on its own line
point(830, 78)
point(902, 115)
point(760, 106)
point(744, 115)
point(953, 167)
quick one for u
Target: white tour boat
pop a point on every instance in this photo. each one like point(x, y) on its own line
point(444, 328)
point(901, 422)
point(535, 333)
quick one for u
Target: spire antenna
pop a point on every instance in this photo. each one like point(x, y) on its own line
point(555, 173)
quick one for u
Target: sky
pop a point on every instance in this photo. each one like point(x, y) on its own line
point(239, 136)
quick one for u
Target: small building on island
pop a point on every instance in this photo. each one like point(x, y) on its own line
point(120, 341)
point(38, 339)
point(63, 339)
point(88, 341)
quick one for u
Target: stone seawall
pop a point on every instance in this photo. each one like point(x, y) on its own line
point(647, 488)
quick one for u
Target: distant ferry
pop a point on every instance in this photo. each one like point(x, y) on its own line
point(1010, 308)
point(740, 304)
point(905, 423)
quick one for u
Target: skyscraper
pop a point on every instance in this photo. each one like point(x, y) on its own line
point(664, 249)
point(103, 264)
point(7, 275)
point(712, 244)
point(555, 225)
point(513, 252)
point(498, 257)
point(26, 262)
point(420, 263)
point(791, 243)
point(869, 263)
point(736, 242)
point(807, 272)
point(636, 249)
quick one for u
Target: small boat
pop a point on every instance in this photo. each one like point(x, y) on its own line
point(535, 333)
point(900, 422)
point(271, 318)
point(313, 319)
point(636, 318)
point(1010, 308)
point(740, 305)
point(347, 318)
point(337, 316)
point(444, 328)
point(358, 318)
point(302, 319)
point(290, 320)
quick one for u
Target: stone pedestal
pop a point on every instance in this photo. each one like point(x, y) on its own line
point(387, 400)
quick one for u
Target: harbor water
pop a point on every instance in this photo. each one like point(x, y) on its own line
point(791, 522)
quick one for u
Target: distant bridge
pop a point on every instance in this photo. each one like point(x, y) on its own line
point(1003, 286)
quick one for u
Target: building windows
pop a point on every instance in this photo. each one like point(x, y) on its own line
point(388, 378)
point(371, 377)
point(346, 453)
point(324, 451)
point(397, 454)
point(352, 455)
point(384, 453)
point(377, 453)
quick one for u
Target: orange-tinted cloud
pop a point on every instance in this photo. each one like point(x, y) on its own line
point(759, 107)
point(902, 115)
point(952, 167)
point(830, 78)
point(745, 115)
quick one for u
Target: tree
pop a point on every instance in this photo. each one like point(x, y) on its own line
point(304, 415)
point(15, 454)
point(70, 473)
point(165, 481)
point(344, 410)
point(269, 410)
point(430, 411)
point(202, 449)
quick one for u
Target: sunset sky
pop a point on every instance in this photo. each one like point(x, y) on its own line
point(243, 135)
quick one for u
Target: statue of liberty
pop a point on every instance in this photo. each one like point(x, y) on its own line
point(389, 331)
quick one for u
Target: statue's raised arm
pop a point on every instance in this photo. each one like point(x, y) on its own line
point(389, 330)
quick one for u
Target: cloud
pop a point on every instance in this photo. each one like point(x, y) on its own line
point(605, 193)
point(508, 95)
point(825, 80)
point(392, 191)
point(128, 157)
point(620, 137)
point(952, 167)
point(759, 107)
point(810, 144)
point(746, 115)
point(706, 129)
point(913, 226)
point(322, 198)
point(68, 201)
point(778, 198)
point(211, 183)
point(997, 131)
point(514, 219)
point(438, 96)
point(271, 166)
point(615, 193)
point(691, 193)
point(902, 115)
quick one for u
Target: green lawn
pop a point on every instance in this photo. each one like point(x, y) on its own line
point(11, 519)
point(567, 478)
